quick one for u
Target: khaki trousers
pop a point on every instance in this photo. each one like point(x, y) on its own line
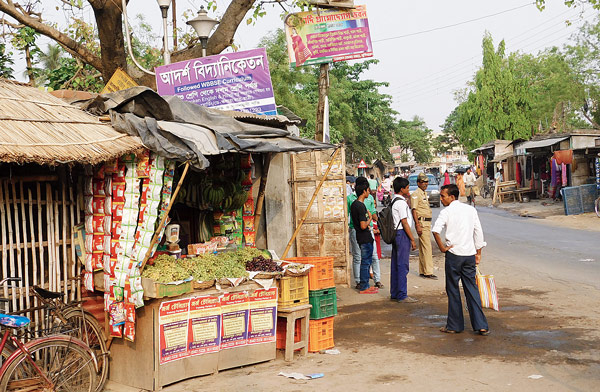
point(425, 257)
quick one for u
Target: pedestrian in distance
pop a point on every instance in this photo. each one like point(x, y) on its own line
point(462, 249)
point(361, 219)
point(470, 180)
point(421, 213)
point(403, 242)
point(446, 178)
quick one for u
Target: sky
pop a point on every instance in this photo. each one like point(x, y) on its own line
point(424, 68)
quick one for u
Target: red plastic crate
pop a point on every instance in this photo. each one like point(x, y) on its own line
point(321, 275)
point(282, 330)
point(321, 335)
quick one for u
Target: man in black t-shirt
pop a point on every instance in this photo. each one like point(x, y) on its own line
point(361, 218)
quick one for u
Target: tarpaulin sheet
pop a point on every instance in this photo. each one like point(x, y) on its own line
point(178, 130)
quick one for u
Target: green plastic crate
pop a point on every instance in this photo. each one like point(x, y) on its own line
point(324, 303)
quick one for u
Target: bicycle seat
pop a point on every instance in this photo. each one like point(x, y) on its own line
point(13, 321)
point(46, 293)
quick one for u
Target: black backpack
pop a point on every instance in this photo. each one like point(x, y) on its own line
point(385, 223)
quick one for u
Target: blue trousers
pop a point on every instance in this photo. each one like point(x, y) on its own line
point(463, 268)
point(399, 267)
point(366, 258)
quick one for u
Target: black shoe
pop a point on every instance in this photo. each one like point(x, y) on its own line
point(378, 285)
point(432, 276)
point(422, 275)
point(357, 286)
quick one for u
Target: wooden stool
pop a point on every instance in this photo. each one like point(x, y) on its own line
point(301, 312)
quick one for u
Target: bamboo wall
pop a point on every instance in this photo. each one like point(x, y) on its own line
point(37, 215)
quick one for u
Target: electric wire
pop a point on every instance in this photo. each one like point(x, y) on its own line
point(455, 24)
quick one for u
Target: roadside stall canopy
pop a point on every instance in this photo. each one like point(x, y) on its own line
point(181, 130)
point(540, 143)
point(36, 127)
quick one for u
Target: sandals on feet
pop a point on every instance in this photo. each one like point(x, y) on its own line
point(484, 332)
point(446, 330)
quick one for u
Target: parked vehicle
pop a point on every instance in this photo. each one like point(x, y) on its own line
point(433, 188)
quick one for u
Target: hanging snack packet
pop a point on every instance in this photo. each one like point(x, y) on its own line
point(248, 223)
point(250, 239)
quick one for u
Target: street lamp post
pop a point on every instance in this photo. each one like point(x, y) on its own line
point(164, 8)
point(203, 25)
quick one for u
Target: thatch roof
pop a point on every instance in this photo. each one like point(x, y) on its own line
point(36, 127)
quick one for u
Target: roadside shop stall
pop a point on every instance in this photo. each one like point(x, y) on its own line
point(45, 147)
point(202, 298)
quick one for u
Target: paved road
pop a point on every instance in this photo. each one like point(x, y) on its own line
point(563, 254)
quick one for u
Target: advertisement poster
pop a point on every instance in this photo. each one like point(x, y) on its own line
point(234, 320)
point(328, 36)
point(173, 327)
point(204, 329)
point(232, 81)
point(263, 316)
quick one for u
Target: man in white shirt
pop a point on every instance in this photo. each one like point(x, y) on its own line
point(464, 241)
point(470, 180)
point(403, 242)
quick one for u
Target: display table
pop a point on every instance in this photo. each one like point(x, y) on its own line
point(162, 355)
point(301, 312)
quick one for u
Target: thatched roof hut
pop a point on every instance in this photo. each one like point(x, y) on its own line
point(36, 127)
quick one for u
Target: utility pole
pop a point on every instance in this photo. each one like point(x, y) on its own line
point(323, 91)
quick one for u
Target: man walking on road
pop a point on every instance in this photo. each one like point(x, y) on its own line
point(422, 215)
point(403, 242)
point(470, 180)
point(464, 241)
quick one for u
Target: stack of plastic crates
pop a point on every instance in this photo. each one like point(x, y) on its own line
point(322, 297)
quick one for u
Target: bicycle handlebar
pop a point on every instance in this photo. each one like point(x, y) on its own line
point(9, 280)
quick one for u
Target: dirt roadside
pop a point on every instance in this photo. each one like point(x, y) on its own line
point(549, 332)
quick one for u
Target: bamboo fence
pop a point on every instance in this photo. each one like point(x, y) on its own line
point(36, 221)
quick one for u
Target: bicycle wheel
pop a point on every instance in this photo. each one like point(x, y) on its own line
point(69, 367)
point(88, 330)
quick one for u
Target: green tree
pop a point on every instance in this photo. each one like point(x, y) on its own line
point(6, 63)
point(415, 137)
point(499, 104)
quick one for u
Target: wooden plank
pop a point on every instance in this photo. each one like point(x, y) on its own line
point(36, 315)
point(78, 209)
point(57, 258)
point(30, 246)
point(26, 253)
point(18, 241)
point(11, 257)
point(73, 254)
point(50, 234)
point(40, 235)
point(65, 257)
point(3, 234)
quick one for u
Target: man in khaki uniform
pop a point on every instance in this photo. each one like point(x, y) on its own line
point(422, 216)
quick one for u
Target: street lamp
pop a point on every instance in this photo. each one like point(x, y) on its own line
point(203, 26)
point(164, 8)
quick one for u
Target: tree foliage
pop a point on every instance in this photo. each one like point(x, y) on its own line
point(499, 105)
point(6, 63)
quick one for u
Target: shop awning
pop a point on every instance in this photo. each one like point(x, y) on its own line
point(501, 157)
point(181, 130)
point(540, 143)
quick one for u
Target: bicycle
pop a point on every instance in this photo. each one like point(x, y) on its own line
point(71, 319)
point(56, 363)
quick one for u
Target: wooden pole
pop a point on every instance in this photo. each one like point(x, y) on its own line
point(323, 91)
point(18, 243)
point(26, 250)
point(65, 257)
point(50, 231)
point(74, 260)
point(164, 218)
point(261, 189)
point(3, 234)
point(314, 196)
point(41, 235)
point(33, 255)
point(78, 209)
point(11, 257)
point(57, 278)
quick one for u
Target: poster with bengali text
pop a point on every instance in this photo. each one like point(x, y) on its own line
point(234, 320)
point(204, 327)
point(230, 81)
point(327, 36)
point(173, 327)
point(262, 316)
